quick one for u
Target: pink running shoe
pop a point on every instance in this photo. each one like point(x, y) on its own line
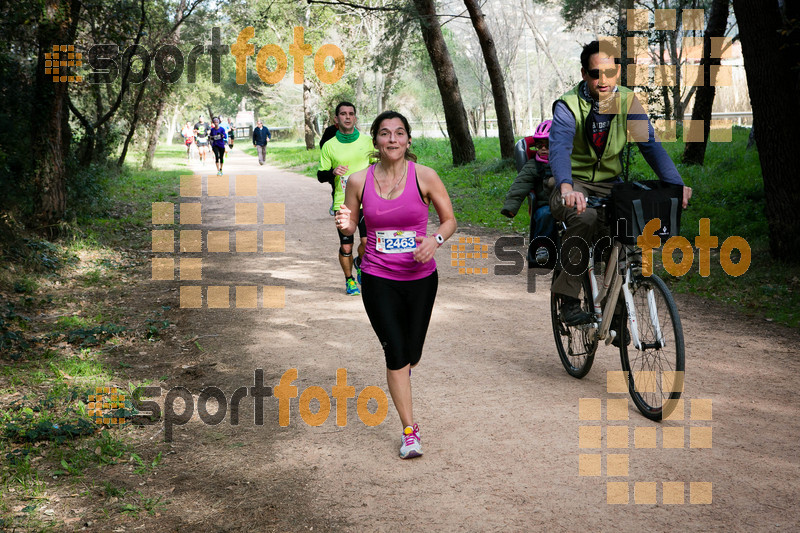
point(411, 445)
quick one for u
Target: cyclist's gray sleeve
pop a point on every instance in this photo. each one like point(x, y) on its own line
point(562, 132)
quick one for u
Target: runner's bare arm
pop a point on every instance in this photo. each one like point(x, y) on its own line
point(350, 212)
point(434, 191)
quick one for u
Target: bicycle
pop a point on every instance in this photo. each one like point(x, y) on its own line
point(654, 360)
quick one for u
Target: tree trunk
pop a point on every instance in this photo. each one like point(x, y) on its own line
point(50, 176)
point(539, 39)
point(308, 122)
point(165, 90)
point(134, 124)
point(538, 88)
point(97, 144)
point(359, 95)
point(173, 123)
point(455, 116)
point(665, 92)
point(751, 139)
point(504, 126)
point(624, 33)
point(677, 105)
point(695, 152)
point(773, 95)
point(152, 139)
point(441, 129)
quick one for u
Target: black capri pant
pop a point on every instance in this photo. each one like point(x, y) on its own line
point(399, 312)
point(219, 152)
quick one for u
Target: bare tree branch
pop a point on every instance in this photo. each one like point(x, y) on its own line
point(543, 44)
point(379, 8)
point(184, 16)
point(357, 6)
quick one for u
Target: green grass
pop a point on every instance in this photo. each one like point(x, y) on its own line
point(52, 357)
point(293, 155)
point(727, 189)
point(125, 218)
point(477, 189)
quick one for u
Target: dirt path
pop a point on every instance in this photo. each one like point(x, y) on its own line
point(498, 414)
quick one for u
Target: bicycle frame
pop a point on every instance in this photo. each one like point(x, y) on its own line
point(651, 318)
point(617, 278)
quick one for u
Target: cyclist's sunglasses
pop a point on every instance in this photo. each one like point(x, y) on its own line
point(608, 73)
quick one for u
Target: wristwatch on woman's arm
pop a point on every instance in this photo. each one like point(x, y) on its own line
point(439, 239)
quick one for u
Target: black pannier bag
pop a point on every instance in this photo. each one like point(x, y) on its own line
point(635, 203)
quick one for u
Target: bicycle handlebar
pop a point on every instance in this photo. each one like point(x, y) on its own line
point(594, 202)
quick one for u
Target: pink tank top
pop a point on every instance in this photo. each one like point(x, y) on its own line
point(407, 212)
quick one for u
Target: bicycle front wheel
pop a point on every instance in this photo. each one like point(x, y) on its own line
point(655, 370)
point(576, 345)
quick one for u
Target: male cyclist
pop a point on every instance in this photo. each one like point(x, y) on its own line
point(591, 124)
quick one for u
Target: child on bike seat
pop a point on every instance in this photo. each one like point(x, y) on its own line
point(532, 181)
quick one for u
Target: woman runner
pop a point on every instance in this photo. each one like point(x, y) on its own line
point(399, 277)
point(218, 139)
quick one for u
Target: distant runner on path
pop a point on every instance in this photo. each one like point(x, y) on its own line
point(261, 136)
point(201, 134)
point(231, 133)
point(218, 140)
point(188, 139)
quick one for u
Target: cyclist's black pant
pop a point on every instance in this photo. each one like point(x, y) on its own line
point(219, 153)
point(399, 312)
point(585, 227)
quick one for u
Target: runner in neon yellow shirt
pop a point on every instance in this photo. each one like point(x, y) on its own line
point(346, 153)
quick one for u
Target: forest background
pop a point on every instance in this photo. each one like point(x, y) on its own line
point(81, 163)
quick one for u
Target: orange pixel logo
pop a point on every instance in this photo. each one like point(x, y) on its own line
point(103, 400)
point(689, 72)
point(612, 442)
point(197, 245)
point(58, 62)
point(459, 255)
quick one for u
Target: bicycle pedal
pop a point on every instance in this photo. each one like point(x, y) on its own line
point(611, 336)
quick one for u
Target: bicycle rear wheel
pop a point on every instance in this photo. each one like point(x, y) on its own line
point(576, 345)
point(655, 370)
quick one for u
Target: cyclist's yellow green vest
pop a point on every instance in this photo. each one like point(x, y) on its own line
point(585, 163)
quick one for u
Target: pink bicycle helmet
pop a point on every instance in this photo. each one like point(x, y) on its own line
point(542, 132)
